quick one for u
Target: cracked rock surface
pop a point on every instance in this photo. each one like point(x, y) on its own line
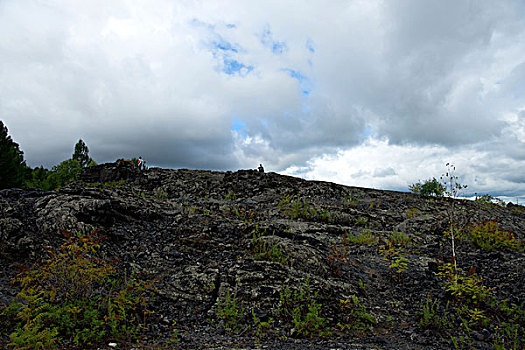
point(194, 230)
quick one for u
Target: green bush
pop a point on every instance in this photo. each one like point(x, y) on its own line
point(67, 171)
point(487, 236)
point(431, 187)
point(76, 300)
point(473, 306)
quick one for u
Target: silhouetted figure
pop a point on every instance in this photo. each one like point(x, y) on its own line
point(261, 169)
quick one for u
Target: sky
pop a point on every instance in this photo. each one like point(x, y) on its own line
point(378, 94)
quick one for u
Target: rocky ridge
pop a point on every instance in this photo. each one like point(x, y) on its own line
point(200, 233)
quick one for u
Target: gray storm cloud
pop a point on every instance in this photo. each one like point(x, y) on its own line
point(175, 81)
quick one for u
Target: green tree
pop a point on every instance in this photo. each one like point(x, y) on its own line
point(431, 187)
point(67, 171)
point(37, 178)
point(81, 154)
point(13, 168)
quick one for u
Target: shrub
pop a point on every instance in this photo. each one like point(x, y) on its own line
point(466, 288)
point(76, 299)
point(474, 307)
point(338, 256)
point(431, 187)
point(339, 253)
point(487, 236)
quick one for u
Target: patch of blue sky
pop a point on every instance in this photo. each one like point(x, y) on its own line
point(305, 84)
point(368, 131)
point(277, 47)
point(232, 67)
point(266, 36)
point(239, 127)
point(224, 45)
point(310, 45)
point(225, 52)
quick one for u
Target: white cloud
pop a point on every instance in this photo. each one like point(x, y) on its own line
point(310, 81)
point(378, 164)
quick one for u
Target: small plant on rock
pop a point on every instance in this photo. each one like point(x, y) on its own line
point(230, 196)
point(412, 212)
point(399, 238)
point(338, 256)
point(243, 214)
point(350, 202)
point(264, 248)
point(393, 250)
point(300, 309)
point(354, 316)
point(366, 237)
point(262, 328)
point(475, 308)
point(361, 221)
point(160, 194)
point(434, 316)
point(230, 314)
point(296, 208)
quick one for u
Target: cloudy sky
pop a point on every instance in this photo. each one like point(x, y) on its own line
point(365, 93)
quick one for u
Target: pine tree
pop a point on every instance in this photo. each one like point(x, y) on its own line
point(82, 154)
point(12, 165)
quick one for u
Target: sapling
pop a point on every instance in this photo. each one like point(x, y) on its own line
point(453, 188)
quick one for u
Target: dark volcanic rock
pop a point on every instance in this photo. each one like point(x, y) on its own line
point(120, 170)
point(194, 230)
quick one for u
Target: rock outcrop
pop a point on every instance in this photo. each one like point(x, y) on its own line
point(205, 234)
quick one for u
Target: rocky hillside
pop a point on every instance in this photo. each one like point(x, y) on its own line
point(250, 260)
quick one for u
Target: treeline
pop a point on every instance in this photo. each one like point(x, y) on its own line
point(14, 172)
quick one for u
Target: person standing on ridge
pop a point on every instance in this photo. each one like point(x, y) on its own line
point(141, 163)
point(261, 169)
